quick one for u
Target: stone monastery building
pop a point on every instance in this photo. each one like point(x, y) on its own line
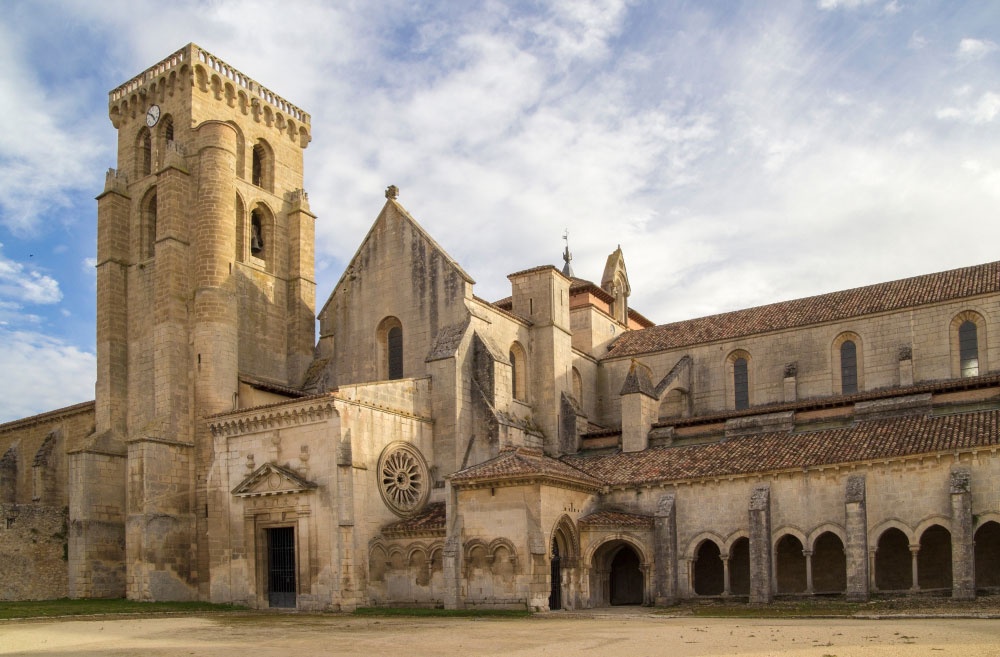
point(553, 449)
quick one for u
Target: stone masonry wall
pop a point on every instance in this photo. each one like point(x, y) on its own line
point(927, 330)
point(33, 542)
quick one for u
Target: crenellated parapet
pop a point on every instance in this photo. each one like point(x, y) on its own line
point(193, 66)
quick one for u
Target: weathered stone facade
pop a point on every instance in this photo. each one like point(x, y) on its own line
point(554, 449)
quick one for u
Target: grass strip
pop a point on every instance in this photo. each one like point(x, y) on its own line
point(422, 612)
point(90, 607)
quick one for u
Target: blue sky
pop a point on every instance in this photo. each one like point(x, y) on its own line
point(740, 153)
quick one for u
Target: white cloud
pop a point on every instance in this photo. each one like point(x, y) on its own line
point(42, 373)
point(973, 49)
point(46, 152)
point(917, 41)
point(845, 4)
point(25, 284)
point(982, 111)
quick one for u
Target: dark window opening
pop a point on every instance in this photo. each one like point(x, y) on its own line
point(149, 229)
point(741, 384)
point(968, 348)
point(168, 129)
point(256, 234)
point(257, 166)
point(848, 368)
point(394, 344)
point(147, 153)
point(513, 375)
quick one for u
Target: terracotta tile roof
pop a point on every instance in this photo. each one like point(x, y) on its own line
point(830, 401)
point(869, 440)
point(617, 519)
point(894, 295)
point(578, 285)
point(430, 520)
point(523, 463)
point(271, 386)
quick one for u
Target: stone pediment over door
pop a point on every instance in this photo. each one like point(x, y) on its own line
point(272, 479)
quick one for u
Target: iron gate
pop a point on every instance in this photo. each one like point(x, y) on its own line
point(281, 567)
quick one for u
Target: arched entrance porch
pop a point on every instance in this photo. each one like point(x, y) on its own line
point(618, 574)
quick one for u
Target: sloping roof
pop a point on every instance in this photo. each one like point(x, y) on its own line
point(616, 519)
point(523, 463)
point(831, 401)
point(882, 297)
point(430, 519)
point(270, 386)
point(869, 440)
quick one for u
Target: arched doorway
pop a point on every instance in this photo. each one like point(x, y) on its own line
point(934, 558)
point(739, 567)
point(709, 574)
point(829, 564)
point(626, 577)
point(616, 575)
point(791, 565)
point(555, 592)
point(987, 541)
point(893, 571)
point(564, 549)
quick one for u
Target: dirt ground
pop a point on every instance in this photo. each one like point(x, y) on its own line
point(621, 633)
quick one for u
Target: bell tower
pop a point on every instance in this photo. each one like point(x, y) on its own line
point(205, 278)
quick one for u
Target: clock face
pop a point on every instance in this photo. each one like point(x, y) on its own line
point(153, 115)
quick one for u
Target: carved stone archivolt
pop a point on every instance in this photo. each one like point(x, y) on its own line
point(403, 479)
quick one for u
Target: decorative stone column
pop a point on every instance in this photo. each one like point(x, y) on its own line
point(809, 571)
point(857, 553)
point(915, 570)
point(760, 546)
point(726, 589)
point(963, 555)
point(665, 552)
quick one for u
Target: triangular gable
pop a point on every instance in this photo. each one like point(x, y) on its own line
point(272, 479)
point(393, 208)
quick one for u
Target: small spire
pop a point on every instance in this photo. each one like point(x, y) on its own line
point(567, 269)
point(392, 192)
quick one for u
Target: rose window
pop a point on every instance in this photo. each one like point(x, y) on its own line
point(403, 478)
